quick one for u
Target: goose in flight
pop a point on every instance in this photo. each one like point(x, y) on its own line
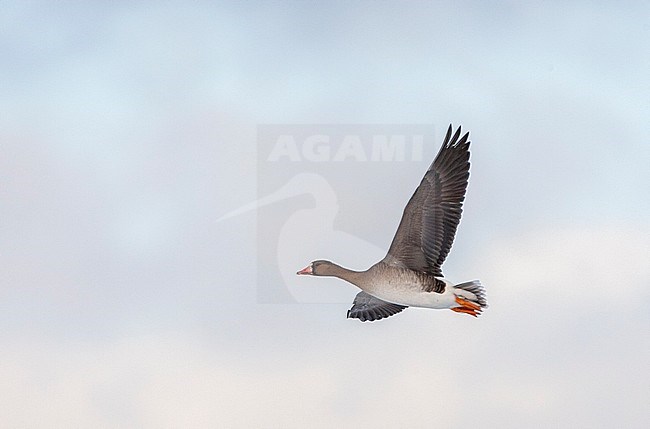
point(410, 275)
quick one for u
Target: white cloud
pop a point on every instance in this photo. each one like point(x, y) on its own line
point(564, 344)
point(555, 102)
point(581, 267)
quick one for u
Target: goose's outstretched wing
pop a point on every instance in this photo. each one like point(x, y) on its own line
point(426, 232)
point(367, 308)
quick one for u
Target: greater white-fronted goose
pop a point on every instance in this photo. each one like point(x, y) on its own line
point(410, 275)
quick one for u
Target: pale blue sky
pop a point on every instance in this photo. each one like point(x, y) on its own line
point(128, 128)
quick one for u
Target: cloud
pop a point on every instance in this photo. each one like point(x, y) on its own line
point(129, 129)
point(564, 343)
point(579, 266)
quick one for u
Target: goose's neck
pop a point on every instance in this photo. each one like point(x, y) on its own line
point(351, 276)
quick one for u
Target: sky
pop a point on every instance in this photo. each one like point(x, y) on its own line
point(149, 243)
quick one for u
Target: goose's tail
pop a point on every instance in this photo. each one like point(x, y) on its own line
point(470, 297)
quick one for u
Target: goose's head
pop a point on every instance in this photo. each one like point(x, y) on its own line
point(319, 268)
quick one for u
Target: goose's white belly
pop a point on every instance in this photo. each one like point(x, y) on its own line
point(412, 295)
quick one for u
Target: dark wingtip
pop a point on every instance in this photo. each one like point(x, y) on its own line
point(464, 139)
point(454, 139)
point(448, 135)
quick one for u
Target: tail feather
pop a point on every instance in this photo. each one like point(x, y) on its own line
point(474, 292)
